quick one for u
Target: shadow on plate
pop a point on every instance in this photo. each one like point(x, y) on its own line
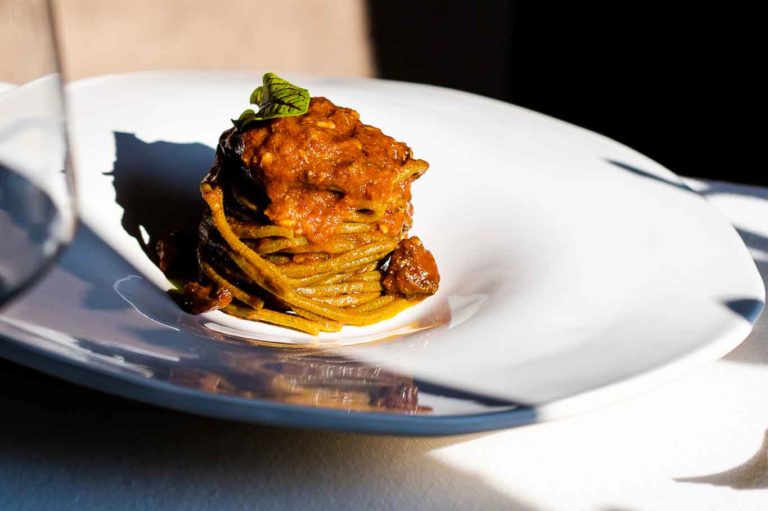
point(153, 186)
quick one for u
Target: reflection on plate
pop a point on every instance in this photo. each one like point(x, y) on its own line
point(575, 271)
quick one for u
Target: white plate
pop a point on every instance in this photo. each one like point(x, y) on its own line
point(575, 270)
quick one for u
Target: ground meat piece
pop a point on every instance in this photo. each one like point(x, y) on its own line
point(412, 270)
point(198, 298)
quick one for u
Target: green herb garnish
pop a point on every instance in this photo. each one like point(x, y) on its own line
point(276, 98)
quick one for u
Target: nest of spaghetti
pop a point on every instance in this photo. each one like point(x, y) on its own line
point(307, 225)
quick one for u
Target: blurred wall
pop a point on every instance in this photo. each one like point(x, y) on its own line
point(98, 36)
point(26, 45)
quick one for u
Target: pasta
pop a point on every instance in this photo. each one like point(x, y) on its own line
point(307, 224)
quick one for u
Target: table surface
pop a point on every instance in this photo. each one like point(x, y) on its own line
point(696, 443)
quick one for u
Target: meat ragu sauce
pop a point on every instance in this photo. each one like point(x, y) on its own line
point(320, 168)
point(305, 212)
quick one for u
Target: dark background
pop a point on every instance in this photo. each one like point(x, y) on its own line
point(678, 84)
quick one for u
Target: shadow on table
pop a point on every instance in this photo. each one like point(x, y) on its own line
point(68, 445)
point(750, 475)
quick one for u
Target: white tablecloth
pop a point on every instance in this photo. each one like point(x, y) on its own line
point(697, 443)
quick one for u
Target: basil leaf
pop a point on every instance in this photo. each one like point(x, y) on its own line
point(257, 95)
point(280, 98)
point(245, 118)
point(276, 98)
